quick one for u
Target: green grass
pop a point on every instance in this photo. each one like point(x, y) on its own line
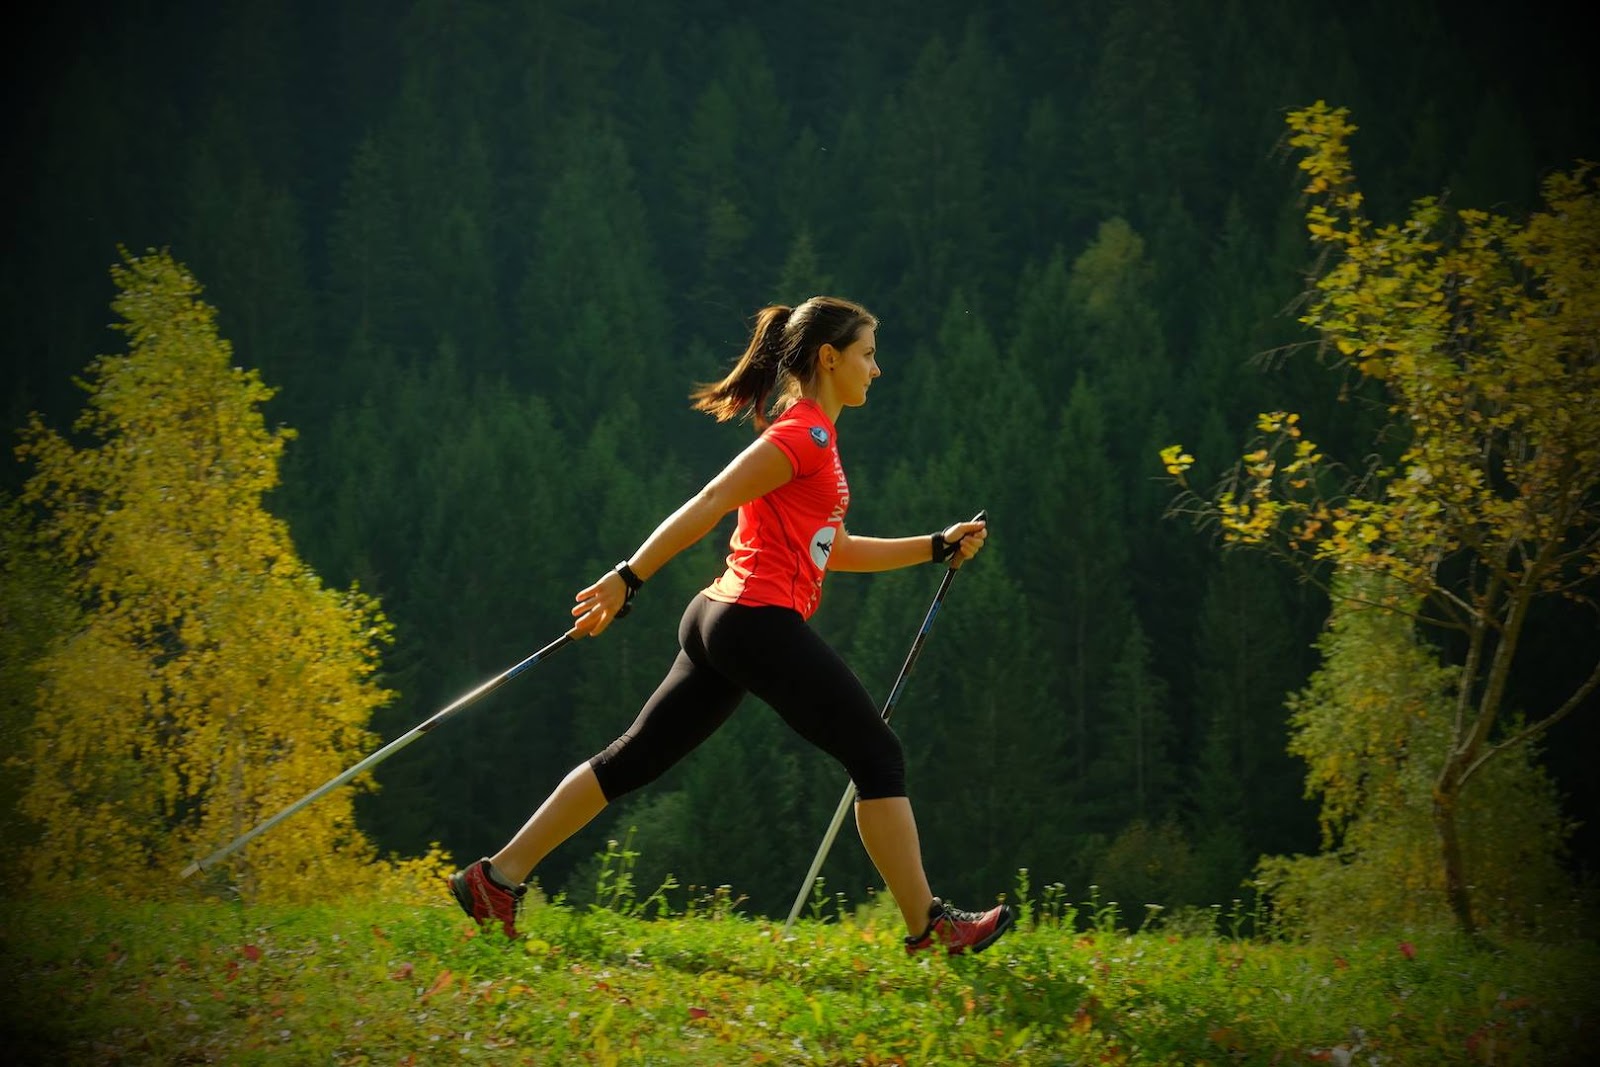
point(368, 983)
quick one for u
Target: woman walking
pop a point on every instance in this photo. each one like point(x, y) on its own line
point(747, 632)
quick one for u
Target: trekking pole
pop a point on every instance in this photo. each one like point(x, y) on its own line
point(888, 710)
point(379, 756)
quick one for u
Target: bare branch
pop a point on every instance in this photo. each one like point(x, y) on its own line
point(1535, 729)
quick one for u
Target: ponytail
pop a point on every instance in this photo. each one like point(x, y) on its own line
point(744, 391)
point(783, 349)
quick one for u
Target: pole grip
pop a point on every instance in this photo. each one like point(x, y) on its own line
point(956, 561)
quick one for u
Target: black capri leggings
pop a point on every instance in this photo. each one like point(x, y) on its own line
point(727, 650)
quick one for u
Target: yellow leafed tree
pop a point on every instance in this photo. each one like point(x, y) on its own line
point(213, 678)
point(1483, 333)
point(1373, 724)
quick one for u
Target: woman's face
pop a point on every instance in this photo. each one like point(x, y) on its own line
point(854, 368)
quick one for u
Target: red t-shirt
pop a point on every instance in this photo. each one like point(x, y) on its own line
point(779, 552)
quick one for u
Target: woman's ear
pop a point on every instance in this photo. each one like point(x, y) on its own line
point(827, 355)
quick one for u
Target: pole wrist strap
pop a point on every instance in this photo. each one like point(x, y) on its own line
point(633, 583)
point(943, 550)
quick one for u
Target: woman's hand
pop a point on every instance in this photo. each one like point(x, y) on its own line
point(597, 605)
point(968, 537)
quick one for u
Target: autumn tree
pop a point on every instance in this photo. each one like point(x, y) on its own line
point(212, 678)
point(1381, 702)
point(1481, 334)
point(34, 610)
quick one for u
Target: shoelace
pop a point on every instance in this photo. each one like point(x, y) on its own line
point(947, 914)
point(956, 915)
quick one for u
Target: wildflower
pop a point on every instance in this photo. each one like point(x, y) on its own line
point(1408, 950)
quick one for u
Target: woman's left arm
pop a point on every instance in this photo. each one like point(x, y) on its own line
point(862, 554)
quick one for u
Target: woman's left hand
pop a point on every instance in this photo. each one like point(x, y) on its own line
point(968, 538)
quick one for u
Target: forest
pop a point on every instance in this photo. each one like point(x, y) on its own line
point(483, 251)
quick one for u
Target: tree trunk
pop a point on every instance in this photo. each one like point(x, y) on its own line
point(1465, 750)
point(1446, 795)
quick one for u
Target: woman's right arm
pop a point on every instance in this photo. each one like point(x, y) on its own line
point(756, 471)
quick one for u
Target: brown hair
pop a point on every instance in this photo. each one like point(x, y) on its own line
point(782, 350)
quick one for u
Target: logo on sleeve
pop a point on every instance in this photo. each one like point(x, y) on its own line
point(820, 436)
point(822, 546)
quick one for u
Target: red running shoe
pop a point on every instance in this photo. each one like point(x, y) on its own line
point(960, 930)
point(485, 899)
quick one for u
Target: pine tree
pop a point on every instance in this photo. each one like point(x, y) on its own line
point(1218, 816)
point(591, 307)
point(1140, 116)
point(1116, 333)
point(247, 236)
point(368, 270)
point(930, 187)
point(1244, 663)
point(1087, 608)
point(1135, 776)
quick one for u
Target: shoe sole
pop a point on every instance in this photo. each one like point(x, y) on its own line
point(463, 895)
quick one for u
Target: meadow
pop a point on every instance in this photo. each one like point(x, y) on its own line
point(698, 982)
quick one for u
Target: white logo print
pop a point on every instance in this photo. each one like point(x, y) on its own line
point(822, 545)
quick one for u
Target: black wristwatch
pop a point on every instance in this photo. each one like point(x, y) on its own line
point(632, 581)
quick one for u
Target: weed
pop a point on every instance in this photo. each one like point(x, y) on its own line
point(631, 982)
point(819, 899)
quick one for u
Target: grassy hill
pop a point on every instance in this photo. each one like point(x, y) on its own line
point(102, 982)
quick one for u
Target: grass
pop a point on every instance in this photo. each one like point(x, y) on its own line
point(108, 983)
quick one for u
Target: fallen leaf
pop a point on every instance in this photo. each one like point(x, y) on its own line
point(439, 983)
point(1222, 1035)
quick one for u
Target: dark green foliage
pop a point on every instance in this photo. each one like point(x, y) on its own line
point(1244, 660)
point(485, 250)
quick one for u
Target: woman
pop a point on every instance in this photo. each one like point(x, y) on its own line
point(747, 631)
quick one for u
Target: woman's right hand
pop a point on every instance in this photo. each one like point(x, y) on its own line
point(597, 605)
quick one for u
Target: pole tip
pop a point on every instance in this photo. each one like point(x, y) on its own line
point(193, 868)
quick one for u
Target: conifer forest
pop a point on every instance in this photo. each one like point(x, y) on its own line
point(479, 253)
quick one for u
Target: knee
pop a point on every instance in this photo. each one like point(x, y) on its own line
point(622, 767)
point(880, 769)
